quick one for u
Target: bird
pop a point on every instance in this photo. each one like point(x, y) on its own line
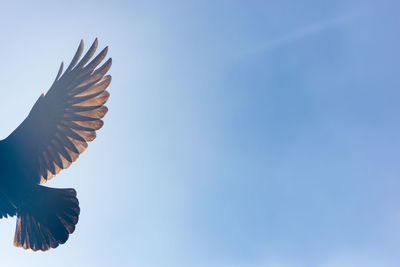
point(53, 135)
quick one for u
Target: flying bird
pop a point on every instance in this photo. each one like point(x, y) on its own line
point(53, 136)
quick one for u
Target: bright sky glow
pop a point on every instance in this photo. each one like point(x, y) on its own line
point(239, 133)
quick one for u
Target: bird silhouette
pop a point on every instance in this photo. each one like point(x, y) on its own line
point(53, 136)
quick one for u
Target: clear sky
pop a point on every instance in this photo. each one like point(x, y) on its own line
point(239, 133)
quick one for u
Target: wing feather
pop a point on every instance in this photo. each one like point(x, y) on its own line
point(61, 122)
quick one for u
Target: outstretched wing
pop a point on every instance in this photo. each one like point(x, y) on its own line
point(61, 122)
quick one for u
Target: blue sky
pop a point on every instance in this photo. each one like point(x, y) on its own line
point(239, 133)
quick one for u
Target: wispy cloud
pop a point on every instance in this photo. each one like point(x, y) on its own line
point(298, 34)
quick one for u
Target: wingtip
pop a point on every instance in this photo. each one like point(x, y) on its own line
point(92, 49)
point(59, 71)
point(104, 51)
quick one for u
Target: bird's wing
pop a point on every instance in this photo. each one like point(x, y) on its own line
point(63, 120)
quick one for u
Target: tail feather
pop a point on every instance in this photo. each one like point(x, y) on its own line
point(48, 220)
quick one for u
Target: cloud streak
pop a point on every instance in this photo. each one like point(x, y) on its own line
point(297, 35)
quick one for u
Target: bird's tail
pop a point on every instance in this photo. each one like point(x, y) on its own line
point(47, 219)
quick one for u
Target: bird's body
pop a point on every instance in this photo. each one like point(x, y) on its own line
point(12, 188)
point(16, 188)
point(53, 136)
